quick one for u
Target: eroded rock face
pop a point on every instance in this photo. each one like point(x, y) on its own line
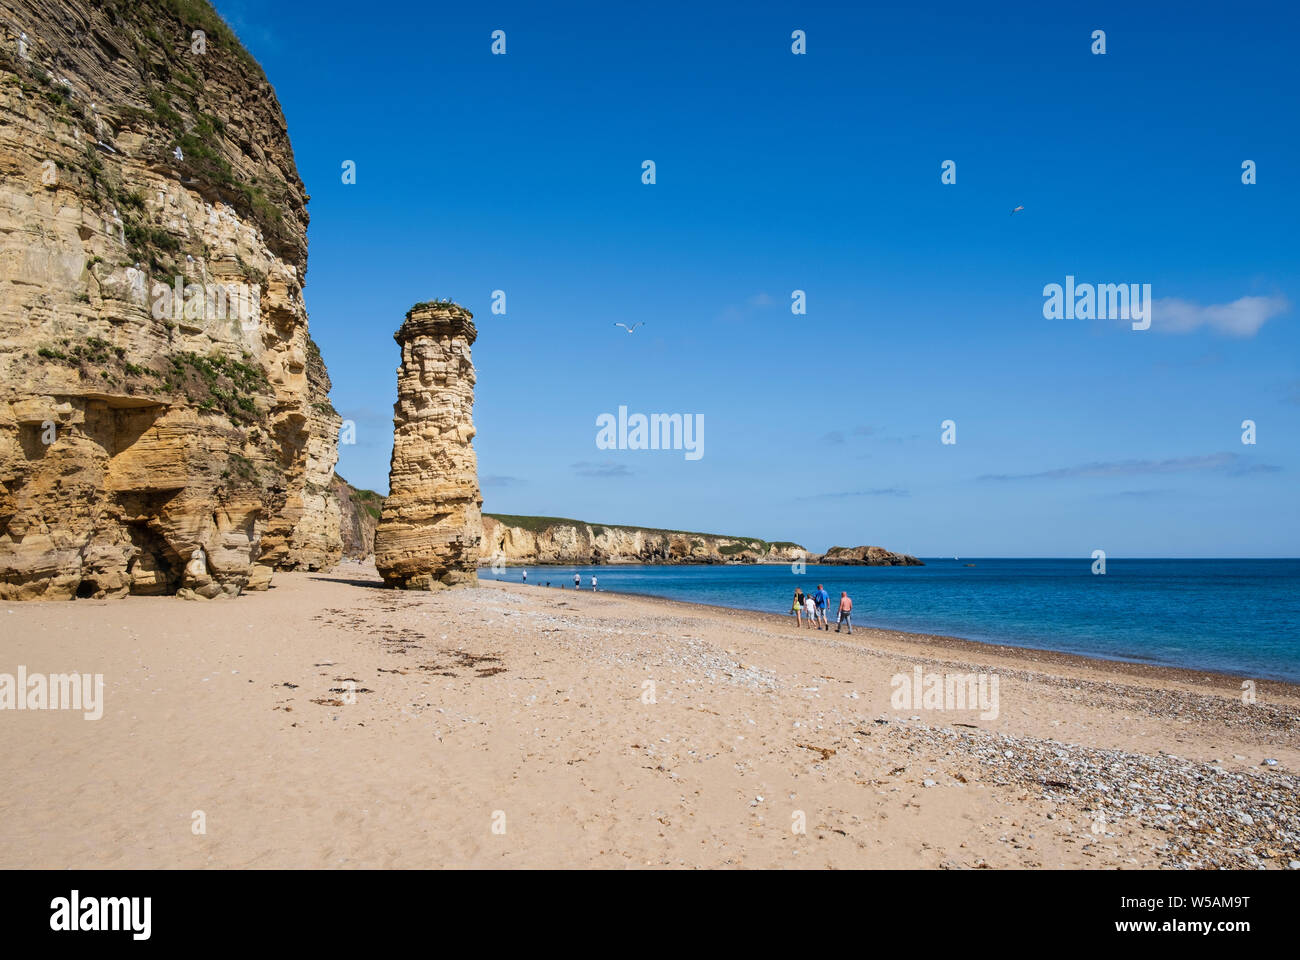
point(360, 511)
point(431, 528)
point(164, 417)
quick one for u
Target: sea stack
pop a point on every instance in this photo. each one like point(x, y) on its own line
point(431, 528)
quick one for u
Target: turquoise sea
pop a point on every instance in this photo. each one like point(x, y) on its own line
point(1228, 616)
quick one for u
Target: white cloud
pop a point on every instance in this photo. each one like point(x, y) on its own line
point(877, 492)
point(1230, 463)
point(607, 468)
point(1240, 318)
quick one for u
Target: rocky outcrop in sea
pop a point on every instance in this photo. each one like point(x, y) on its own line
point(868, 557)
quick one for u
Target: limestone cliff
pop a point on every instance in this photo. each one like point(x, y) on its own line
point(513, 539)
point(868, 557)
point(359, 513)
point(164, 415)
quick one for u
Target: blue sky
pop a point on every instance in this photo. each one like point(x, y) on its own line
point(821, 172)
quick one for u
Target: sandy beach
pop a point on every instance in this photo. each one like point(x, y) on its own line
point(331, 723)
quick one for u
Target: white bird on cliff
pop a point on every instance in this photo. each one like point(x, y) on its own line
point(631, 329)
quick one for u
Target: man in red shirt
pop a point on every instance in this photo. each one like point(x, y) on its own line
point(846, 609)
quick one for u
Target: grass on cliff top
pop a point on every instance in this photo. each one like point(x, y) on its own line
point(541, 524)
point(167, 80)
point(448, 302)
point(174, 80)
point(201, 15)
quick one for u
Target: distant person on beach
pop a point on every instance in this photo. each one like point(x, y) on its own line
point(593, 584)
point(822, 599)
point(797, 607)
point(525, 576)
point(810, 608)
point(846, 611)
point(577, 581)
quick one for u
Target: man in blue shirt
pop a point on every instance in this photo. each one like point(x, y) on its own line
point(822, 598)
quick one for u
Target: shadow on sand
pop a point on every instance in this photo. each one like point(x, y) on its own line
point(375, 584)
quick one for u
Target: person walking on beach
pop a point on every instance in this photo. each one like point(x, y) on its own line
point(810, 608)
point(525, 576)
point(593, 583)
point(822, 599)
point(846, 611)
point(797, 607)
point(577, 581)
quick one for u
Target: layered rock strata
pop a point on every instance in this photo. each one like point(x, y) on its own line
point(431, 527)
point(165, 424)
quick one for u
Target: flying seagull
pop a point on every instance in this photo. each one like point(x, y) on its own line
point(1017, 209)
point(631, 329)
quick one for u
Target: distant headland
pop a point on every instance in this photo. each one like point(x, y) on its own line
point(514, 540)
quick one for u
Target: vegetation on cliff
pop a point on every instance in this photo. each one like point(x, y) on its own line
point(176, 101)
